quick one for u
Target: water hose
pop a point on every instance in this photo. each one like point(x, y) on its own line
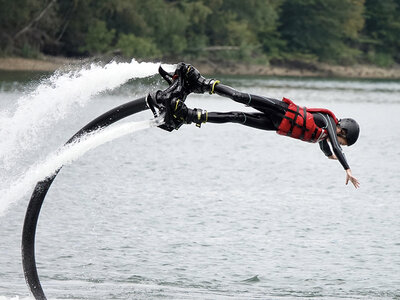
point(41, 188)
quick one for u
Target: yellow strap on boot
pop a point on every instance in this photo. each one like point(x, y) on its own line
point(213, 86)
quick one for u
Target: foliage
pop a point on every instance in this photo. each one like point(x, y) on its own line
point(336, 31)
point(98, 38)
point(138, 47)
point(23, 31)
point(382, 31)
point(321, 27)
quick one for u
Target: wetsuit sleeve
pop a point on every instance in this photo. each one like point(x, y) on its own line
point(331, 127)
point(325, 148)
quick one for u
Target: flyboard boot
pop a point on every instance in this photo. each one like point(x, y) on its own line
point(171, 102)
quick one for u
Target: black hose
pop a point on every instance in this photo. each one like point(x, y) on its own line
point(40, 191)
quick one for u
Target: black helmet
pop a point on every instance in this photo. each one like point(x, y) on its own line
point(351, 128)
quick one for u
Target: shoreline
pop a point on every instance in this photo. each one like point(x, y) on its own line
point(322, 70)
point(50, 64)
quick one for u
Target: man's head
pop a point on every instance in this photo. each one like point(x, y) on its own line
point(349, 130)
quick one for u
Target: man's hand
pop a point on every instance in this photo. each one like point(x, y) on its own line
point(350, 177)
point(333, 156)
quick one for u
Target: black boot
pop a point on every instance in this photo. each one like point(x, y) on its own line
point(197, 83)
point(182, 113)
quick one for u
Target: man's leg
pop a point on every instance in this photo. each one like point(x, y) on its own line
point(256, 120)
point(183, 114)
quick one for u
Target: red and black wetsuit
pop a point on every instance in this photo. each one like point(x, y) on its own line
point(272, 113)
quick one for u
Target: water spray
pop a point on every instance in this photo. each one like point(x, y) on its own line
point(24, 124)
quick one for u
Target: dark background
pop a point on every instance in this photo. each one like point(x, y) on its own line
point(343, 32)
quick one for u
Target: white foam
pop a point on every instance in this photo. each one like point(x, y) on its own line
point(54, 99)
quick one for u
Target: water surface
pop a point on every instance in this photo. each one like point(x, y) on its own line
point(221, 212)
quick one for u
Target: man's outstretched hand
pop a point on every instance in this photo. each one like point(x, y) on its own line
point(350, 177)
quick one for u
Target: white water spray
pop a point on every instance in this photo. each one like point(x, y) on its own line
point(67, 155)
point(53, 100)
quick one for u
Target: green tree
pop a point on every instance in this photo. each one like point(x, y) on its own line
point(251, 30)
point(261, 19)
point(127, 17)
point(195, 33)
point(78, 15)
point(137, 47)
point(167, 23)
point(323, 28)
point(382, 31)
point(27, 26)
point(98, 38)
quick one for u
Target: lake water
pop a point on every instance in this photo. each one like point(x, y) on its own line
point(220, 212)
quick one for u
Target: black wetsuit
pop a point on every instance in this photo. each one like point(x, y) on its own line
point(270, 117)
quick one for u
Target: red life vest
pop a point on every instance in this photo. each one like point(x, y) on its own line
point(298, 122)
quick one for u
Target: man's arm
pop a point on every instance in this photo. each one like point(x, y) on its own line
point(331, 128)
point(325, 148)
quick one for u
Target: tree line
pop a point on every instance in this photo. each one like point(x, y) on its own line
point(259, 31)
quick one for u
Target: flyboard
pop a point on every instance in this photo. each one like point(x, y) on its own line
point(159, 100)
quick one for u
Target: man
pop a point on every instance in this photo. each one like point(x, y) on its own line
point(286, 118)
